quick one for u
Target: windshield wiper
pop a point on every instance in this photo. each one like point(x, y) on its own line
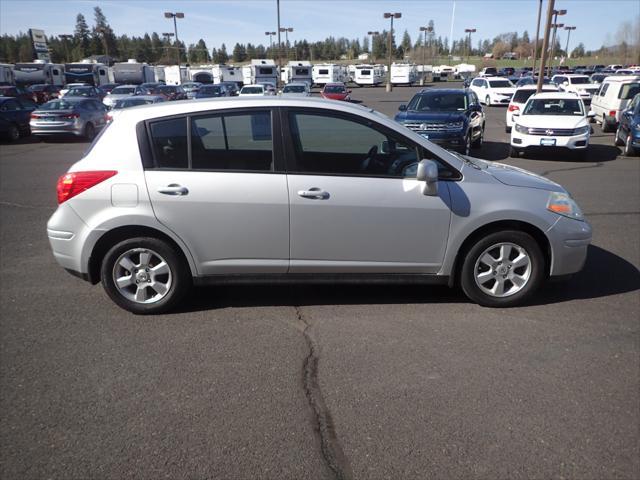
point(465, 159)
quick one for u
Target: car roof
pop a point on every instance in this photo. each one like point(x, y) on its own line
point(298, 84)
point(498, 78)
point(335, 83)
point(254, 85)
point(128, 85)
point(558, 95)
point(622, 78)
point(533, 86)
point(143, 97)
point(442, 90)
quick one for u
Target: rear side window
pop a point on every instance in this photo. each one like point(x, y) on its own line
point(603, 89)
point(522, 96)
point(629, 90)
point(169, 143)
point(232, 142)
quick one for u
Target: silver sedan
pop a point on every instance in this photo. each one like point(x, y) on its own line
point(82, 117)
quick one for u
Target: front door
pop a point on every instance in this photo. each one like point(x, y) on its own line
point(356, 205)
point(223, 195)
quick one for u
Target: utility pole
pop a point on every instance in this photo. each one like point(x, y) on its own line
point(535, 46)
point(469, 31)
point(568, 37)
point(555, 26)
point(424, 48)
point(279, 79)
point(271, 34)
point(391, 16)
point(545, 45)
point(175, 28)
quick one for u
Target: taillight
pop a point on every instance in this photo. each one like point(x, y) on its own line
point(74, 183)
point(612, 113)
point(33, 115)
point(108, 117)
point(513, 108)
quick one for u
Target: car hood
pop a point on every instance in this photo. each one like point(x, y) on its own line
point(518, 177)
point(504, 90)
point(431, 117)
point(551, 121)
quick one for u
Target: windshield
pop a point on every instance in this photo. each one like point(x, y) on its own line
point(209, 90)
point(554, 106)
point(629, 91)
point(579, 80)
point(334, 89)
point(500, 84)
point(252, 90)
point(57, 105)
point(80, 92)
point(130, 102)
point(122, 90)
point(439, 102)
point(166, 89)
point(38, 88)
point(293, 89)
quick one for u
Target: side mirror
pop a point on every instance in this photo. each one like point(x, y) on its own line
point(591, 114)
point(402, 108)
point(565, 83)
point(428, 173)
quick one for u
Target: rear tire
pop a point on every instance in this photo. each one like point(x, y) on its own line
point(89, 131)
point(514, 152)
point(605, 127)
point(616, 140)
point(13, 134)
point(630, 150)
point(487, 101)
point(517, 268)
point(134, 277)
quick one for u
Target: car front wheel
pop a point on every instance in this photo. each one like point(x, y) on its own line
point(629, 150)
point(617, 140)
point(145, 275)
point(502, 269)
point(487, 101)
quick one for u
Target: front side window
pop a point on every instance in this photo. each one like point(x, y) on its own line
point(169, 143)
point(500, 84)
point(232, 142)
point(330, 145)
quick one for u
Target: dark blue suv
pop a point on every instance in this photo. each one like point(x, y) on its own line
point(451, 118)
point(628, 133)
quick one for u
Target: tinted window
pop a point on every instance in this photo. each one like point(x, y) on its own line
point(477, 82)
point(603, 89)
point(629, 91)
point(331, 145)
point(9, 105)
point(500, 83)
point(439, 102)
point(169, 140)
point(232, 142)
point(554, 106)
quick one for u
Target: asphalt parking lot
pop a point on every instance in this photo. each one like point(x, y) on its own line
point(314, 382)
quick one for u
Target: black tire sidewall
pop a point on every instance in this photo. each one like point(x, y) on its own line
point(181, 277)
point(89, 128)
point(524, 240)
point(14, 133)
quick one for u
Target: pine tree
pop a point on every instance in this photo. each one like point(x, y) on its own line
point(81, 38)
point(406, 42)
point(239, 53)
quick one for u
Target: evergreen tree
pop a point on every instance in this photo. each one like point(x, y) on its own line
point(81, 38)
point(406, 42)
point(223, 56)
point(239, 53)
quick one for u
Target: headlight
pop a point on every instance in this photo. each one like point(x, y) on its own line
point(521, 129)
point(456, 125)
point(582, 130)
point(563, 204)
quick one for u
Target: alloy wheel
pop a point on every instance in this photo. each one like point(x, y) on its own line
point(503, 270)
point(141, 275)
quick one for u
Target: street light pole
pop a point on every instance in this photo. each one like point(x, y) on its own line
point(424, 48)
point(372, 34)
point(568, 37)
point(175, 28)
point(545, 45)
point(469, 31)
point(555, 26)
point(535, 46)
point(286, 31)
point(391, 16)
point(271, 34)
point(65, 38)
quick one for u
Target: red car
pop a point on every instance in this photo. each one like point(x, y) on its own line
point(44, 93)
point(336, 91)
point(170, 92)
point(17, 92)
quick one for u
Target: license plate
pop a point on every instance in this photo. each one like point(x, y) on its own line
point(548, 142)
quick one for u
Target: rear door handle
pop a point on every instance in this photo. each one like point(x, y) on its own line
point(314, 193)
point(173, 189)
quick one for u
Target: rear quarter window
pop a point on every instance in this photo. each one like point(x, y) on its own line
point(169, 143)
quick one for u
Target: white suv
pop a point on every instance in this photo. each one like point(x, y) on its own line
point(552, 120)
point(580, 84)
point(493, 90)
point(519, 99)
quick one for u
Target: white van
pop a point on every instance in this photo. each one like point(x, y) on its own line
point(616, 92)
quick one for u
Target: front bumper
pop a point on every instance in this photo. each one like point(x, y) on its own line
point(450, 141)
point(497, 99)
point(523, 140)
point(569, 240)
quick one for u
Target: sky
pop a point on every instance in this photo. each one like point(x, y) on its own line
point(231, 21)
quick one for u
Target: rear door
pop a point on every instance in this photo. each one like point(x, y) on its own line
point(217, 182)
point(356, 206)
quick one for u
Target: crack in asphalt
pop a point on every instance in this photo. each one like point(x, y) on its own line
point(20, 205)
point(546, 173)
point(332, 451)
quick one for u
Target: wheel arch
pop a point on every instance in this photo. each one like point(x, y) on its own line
point(118, 234)
point(497, 226)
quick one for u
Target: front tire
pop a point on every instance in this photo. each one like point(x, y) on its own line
point(487, 101)
point(514, 152)
point(145, 275)
point(502, 269)
point(477, 143)
point(13, 134)
point(617, 139)
point(630, 150)
point(507, 129)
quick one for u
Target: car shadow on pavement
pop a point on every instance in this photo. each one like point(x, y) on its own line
point(492, 151)
point(495, 151)
point(604, 274)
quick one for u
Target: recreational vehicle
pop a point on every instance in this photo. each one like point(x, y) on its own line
point(202, 74)
point(95, 74)
point(158, 71)
point(369, 75)
point(38, 72)
point(176, 75)
point(443, 73)
point(6, 74)
point(133, 73)
point(324, 73)
point(297, 71)
point(260, 70)
point(404, 74)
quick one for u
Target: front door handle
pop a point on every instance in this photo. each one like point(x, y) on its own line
point(314, 192)
point(173, 189)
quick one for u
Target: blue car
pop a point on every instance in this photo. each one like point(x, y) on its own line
point(628, 133)
point(15, 114)
point(451, 118)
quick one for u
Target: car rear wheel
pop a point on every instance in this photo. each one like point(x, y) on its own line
point(502, 269)
point(487, 101)
point(89, 131)
point(477, 143)
point(507, 129)
point(617, 141)
point(514, 152)
point(13, 134)
point(605, 126)
point(145, 275)
point(630, 150)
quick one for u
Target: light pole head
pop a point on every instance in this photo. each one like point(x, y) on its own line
point(168, 15)
point(179, 14)
point(373, 33)
point(569, 28)
point(470, 30)
point(559, 12)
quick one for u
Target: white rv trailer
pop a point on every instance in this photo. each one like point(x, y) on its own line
point(132, 72)
point(369, 75)
point(404, 74)
point(158, 71)
point(176, 74)
point(351, 73)
point(297, 71)
point(324, 73)
point(202, 74)
point(95, 74)
point(260, 70)
point(443, 73)
point(38, 72)
point(6, 74)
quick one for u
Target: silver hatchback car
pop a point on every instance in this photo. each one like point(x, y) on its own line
point(302, 190)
